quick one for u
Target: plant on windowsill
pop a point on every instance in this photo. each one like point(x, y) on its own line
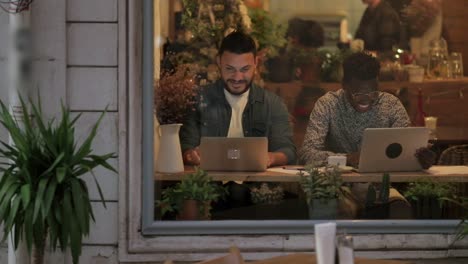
point(322, 188)
point(377, 200)
point(428, 198)
point(42, 194)
point(191, 198)
point(462, 229)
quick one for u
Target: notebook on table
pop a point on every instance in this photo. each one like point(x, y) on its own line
point(234, 154)
point(392, 149)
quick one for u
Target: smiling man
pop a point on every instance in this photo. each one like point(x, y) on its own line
point(235, 107)
point(338, 120)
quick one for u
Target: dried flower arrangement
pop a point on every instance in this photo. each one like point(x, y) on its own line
point(420, 15)
point(266, 194)
point(174, 95)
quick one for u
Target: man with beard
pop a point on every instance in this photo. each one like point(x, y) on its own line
point(379, 26)
point(236, 107)
point(339, 118)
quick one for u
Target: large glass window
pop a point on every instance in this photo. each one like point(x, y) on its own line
point(301, 47)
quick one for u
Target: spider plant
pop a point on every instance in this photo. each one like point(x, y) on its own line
point(42, 193)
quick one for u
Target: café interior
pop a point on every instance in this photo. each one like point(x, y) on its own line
point(301, 45)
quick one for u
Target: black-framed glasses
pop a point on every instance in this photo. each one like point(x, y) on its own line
point(370, 96)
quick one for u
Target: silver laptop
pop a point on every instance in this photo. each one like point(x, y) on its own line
point(234, 154)
point(392, 149)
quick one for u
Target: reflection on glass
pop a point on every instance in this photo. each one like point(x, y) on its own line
point(299, 87)
point(456, 64)
point(431, 123)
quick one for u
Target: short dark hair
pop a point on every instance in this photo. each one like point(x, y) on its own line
point(239, 43)
point(308, 33)
point(361, 66)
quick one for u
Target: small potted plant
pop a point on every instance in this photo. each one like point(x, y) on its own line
point(377, 200)
point(191, 198)
point(427, 198)
point(322, 188)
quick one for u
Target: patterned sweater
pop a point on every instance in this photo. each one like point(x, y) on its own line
point(336, 128)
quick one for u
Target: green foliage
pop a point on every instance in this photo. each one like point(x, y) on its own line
point(195, 186)
point(209, 21)
point(427, 188)
point(385, 188)
point(331, 68)
point(330, 61)
point(462, 229)
point(269, 33)
point(42, 193)
point(321, 183)
point(384, 192)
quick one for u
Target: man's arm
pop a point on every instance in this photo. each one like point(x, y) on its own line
point(313, 147)
point(280, 143)
point(398, 113)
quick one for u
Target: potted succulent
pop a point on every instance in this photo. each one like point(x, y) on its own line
point(42, 193)
point(427, 198)
point(377, 200)
point(191, 198)
point(322, 188)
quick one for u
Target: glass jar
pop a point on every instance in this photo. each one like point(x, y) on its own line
point(437, 64)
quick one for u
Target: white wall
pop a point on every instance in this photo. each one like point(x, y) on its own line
point(75, 60)
point(352, 9)
point(92, 79)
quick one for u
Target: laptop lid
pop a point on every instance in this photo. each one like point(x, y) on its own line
point(392, 149)
point(234, 154)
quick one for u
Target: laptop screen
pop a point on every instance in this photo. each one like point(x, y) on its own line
point(392, 149)
point(234, 154)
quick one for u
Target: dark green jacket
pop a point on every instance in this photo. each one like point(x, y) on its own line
point(265, 115)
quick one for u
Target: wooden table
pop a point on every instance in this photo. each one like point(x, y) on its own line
point(301, 258)
point(269, 176)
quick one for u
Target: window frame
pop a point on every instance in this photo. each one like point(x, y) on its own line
point(140, 233)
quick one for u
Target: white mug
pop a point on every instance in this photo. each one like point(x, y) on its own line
point(337, 160)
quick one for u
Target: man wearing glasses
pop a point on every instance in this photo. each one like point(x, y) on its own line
point(338, 120)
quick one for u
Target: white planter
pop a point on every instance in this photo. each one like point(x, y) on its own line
point(169, 154)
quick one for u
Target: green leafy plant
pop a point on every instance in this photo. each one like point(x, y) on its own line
point(427, 188)
point(42, 193)
point(321, 183)
point(331, 67)
point(196, 186)
point(462, 228)
point(329, 62)
point(269, 33)
point(428, 198)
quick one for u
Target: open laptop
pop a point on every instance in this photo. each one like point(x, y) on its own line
point(391, 149)
point(234, 154)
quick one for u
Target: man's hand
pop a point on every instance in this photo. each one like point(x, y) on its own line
point(352, 159)
point(276, 159)
point(426, 157)
point(192, 157)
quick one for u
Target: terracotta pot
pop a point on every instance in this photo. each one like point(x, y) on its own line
point(191, 210)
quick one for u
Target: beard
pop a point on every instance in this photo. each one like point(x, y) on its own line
point(229, 82)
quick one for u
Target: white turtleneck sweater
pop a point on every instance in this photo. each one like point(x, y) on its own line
point(237, 103)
